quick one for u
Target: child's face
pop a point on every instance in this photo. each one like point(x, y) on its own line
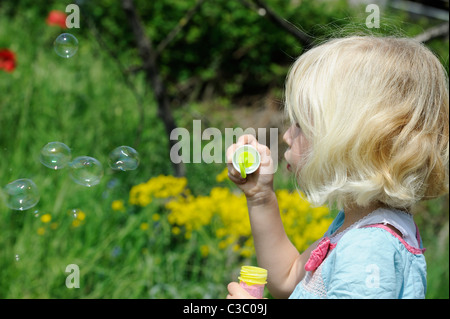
point(298, 146)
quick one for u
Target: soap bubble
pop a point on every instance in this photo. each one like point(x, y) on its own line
point(66, 45)
point(21, 194)
point(86, 171)
point(77, 216)
point(124, 158)
point(55, 155)
point(73, 212)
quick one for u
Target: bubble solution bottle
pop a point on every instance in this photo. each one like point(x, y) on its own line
point(253, 279)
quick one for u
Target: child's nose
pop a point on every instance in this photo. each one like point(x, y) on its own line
point(287, 136)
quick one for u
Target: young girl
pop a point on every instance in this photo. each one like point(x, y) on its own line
point(370, 135)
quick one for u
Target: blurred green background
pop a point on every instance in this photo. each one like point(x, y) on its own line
point(226, 66)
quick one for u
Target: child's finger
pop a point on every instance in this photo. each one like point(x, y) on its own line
point(234, 175)
point(235, 291)
point(265, 154)
point(230, 152)
point(247, 139)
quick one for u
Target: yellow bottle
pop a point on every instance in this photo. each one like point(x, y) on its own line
point(253, 280)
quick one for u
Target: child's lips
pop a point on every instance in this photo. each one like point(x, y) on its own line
point(288, 166)
point(286, 156)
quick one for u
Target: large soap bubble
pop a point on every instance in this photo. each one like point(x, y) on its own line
point(21, 194)
point(66, 45)
point(55, 155)
point(86, 171)
point(124, 158)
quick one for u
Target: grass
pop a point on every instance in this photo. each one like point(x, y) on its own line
point(84, 103)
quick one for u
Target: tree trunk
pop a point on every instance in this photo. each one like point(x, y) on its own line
point(152, 75)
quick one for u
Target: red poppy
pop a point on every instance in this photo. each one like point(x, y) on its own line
point(7, 60)
point(57, 18)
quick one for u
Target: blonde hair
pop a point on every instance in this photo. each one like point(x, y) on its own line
point(375, 111)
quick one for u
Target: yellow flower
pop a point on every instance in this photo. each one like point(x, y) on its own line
point(46, 218)
point(176, 230)
point(157, 187)
point(118, 205)
point(81, 215)
point(222, 176)
point(297, 213)
point(221, 232)
point(143, 226)
point(204, 250)
point(223, 244)
point(224, 213)
point(41, 231)
point(54, 226)
point(246, 252)
point(76, 223)
point(139, 195)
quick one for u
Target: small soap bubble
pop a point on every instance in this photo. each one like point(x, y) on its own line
point(66, 45)
point(74, 213)
point(86, 171)
point(17, 257)
point(55, 155)
point(124, 158)
point(21, 194)
point(37, 213)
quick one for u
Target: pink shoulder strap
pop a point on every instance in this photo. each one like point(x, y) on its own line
point(410, 248)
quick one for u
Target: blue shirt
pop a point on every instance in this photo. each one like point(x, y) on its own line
point(367, 262)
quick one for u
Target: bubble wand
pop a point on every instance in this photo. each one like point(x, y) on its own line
point(246, 160)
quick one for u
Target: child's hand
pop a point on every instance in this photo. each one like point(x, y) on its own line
point(260, 183)
point(235, 291)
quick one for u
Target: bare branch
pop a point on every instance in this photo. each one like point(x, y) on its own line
point(152, 75)
point(125, 74)
point(144, 44)
point(432, 33)
point(301, 36)
point(180, 25)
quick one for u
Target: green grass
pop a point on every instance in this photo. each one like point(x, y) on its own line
point(84, 103)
